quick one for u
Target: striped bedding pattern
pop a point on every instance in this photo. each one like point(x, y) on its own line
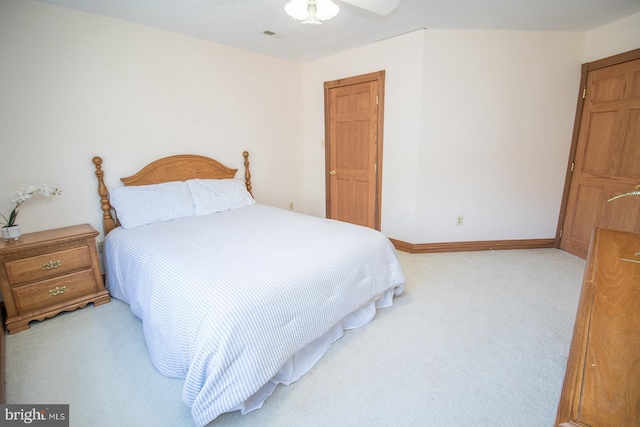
point(227, 299)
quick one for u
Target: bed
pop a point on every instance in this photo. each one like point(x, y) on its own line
point(235, 296)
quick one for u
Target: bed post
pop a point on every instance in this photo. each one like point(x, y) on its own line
point(247, 173)
point(108, 223)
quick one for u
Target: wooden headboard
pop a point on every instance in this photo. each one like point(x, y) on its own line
point(173, 168)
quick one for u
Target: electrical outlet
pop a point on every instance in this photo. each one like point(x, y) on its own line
point(100, 247)
point(460, 220)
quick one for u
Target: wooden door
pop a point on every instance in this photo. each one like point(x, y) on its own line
point(607, 157)
point(353, 144)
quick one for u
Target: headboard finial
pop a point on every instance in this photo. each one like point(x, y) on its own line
point(247, 173)
point(108, 222)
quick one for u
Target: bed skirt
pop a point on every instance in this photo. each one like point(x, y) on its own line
point(301, 362)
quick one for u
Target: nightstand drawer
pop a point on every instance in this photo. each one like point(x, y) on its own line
point(48, 265)
point(53, 291)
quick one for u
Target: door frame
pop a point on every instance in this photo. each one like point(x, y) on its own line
point(378, 76)
point(586, 68)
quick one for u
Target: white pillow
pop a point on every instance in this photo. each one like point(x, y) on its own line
point(217, 195)
point(148, 204)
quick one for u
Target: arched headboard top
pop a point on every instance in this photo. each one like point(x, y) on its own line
point(180, 168)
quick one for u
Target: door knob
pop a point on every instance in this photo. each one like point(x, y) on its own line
point(332, 172)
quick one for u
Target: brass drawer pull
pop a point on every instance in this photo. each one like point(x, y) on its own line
point(57, 291)
point(51, 265)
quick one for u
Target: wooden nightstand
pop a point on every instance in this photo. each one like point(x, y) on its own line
point(50, 271)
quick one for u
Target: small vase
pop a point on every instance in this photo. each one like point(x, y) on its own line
point(11, 233)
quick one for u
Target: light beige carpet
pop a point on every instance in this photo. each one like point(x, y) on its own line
point(477, 339)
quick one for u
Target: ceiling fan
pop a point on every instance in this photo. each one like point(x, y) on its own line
point(316, 11)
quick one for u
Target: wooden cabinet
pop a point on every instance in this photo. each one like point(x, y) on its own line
point(48, 272)
point(602, 381)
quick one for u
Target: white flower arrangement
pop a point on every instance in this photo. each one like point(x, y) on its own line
point(24, 195)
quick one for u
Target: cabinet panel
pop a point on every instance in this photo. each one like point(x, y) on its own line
point(47, 293)
point(602, 385)
point(48, 265)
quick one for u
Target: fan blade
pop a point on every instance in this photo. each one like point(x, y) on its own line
point(381, 7)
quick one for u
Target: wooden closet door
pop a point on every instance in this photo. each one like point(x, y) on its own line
point(353, 136)
point(607, 160)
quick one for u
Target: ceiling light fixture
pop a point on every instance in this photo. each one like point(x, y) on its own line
point(311, 11)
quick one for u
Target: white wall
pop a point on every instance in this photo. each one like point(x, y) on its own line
point(618, 37)
point(477, 123)
point(76, 85)
point(496, 130)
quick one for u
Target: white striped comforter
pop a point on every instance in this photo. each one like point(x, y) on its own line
point(226, 299)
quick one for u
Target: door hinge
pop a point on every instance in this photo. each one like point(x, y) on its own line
point(375, 167)
point(584, 92)
point(560, 236)
point(573, 165)
point(376, 99)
